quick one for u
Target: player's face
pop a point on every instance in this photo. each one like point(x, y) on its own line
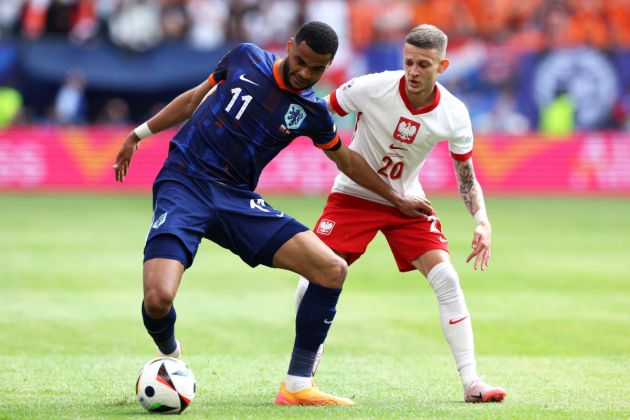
point(422, 67)
point(303, 67)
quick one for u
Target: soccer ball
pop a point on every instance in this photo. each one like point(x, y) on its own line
point(165, 385)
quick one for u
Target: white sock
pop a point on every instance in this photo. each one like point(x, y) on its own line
point(299, 291)
point(297, 383)
point(454, 319)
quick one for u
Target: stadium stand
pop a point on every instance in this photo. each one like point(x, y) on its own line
point(109, 64)
point(126, 47)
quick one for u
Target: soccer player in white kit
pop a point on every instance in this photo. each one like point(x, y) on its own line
point(401, 116)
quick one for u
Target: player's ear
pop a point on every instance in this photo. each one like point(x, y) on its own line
point(290, 44)
point(443, 65)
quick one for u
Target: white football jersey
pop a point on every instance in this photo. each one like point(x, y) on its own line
point(394, 138)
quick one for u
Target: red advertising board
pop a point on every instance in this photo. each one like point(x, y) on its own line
point(81, 158)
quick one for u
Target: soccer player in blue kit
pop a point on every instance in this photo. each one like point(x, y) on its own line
point(250, 108)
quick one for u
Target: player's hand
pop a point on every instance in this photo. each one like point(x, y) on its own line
point(414, 206)
point(125, 153)
point(481, 246)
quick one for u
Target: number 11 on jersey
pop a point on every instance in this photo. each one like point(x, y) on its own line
point(245, 98)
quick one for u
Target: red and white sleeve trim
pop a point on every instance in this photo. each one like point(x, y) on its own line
point(460, 157)
point(335, 104)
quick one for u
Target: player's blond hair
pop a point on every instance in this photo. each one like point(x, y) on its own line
point(427, 36)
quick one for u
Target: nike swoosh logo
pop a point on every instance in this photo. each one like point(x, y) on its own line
point(394, 147)
point(477, 397)
point(245, 79)
point(327, 321)
point(281, 214)
point(457, 320)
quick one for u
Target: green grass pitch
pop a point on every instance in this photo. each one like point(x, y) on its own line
point(551, 316)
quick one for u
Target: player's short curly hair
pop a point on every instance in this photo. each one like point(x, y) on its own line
point(319, 36)
point(427, 36)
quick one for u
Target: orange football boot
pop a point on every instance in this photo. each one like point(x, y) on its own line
point(308, 396)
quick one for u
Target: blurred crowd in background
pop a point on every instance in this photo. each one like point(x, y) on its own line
point(556, 66)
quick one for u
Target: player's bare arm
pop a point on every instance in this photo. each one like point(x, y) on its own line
point(356, 168)
point(175, 112)
point(471, 193)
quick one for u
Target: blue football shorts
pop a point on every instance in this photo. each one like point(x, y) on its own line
point(187, 209)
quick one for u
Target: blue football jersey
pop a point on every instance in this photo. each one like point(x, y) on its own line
point(246, 120)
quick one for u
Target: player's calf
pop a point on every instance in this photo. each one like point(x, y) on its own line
point(162, 331)
point(299, 294)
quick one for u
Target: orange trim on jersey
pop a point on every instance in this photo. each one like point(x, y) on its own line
point(424, 110)
point(211, 80)
point(278, 77)
point(463, 157)
point(330, 144)
point(335, 104)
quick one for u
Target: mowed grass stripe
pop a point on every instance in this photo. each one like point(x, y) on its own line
point(550, 316)
point(388, 387)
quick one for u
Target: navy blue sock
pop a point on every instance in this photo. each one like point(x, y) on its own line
point(313, 320)
point(162, 330)
point(302, 362)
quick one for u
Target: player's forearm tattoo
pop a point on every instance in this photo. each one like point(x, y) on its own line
point(469, 188)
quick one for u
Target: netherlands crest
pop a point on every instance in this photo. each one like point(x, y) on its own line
point(294, 117)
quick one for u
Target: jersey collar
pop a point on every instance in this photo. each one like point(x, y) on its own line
point(424, 110)
point(278, 77)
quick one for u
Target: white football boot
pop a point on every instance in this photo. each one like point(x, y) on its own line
point(480, 392)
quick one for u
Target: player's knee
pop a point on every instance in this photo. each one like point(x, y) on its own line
point(445, 281)
point(333, 274)
point(157, 302)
